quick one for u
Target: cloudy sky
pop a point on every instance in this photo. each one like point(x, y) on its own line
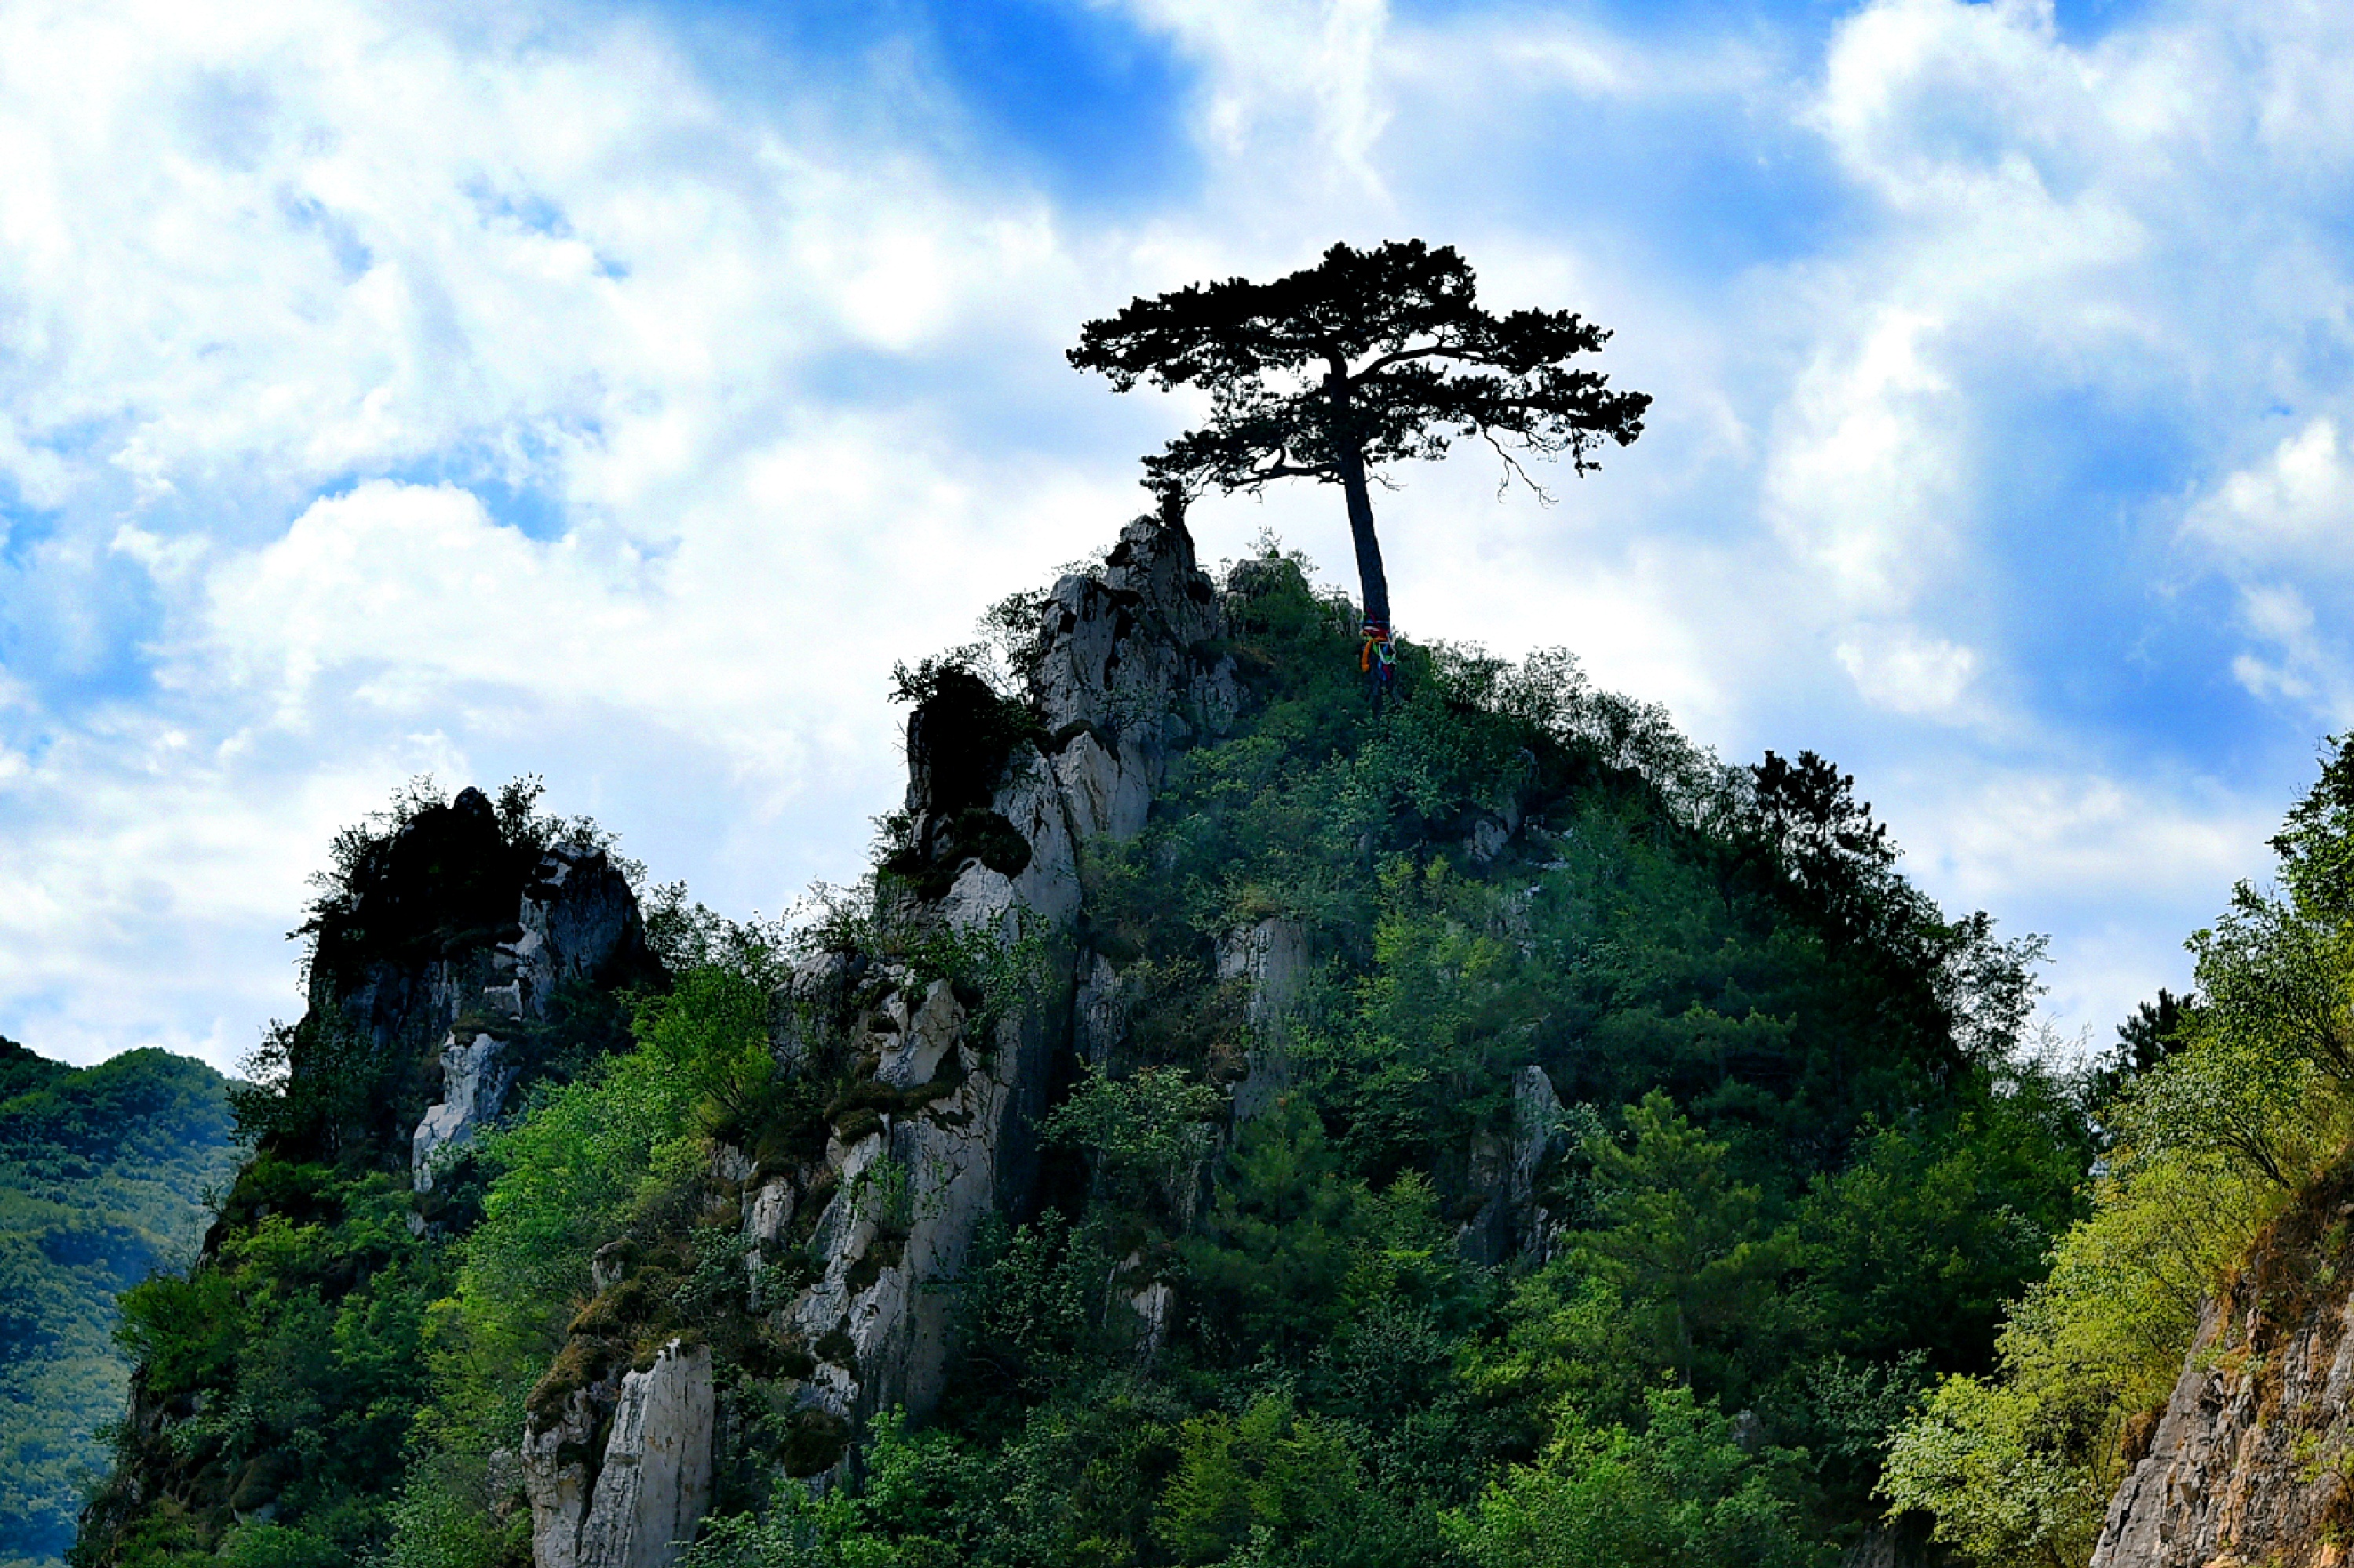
point(612, 392)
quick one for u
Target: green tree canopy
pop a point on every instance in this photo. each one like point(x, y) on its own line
point(1367, 357)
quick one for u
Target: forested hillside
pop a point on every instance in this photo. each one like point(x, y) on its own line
point(102, 1176)
point(1249, 1116)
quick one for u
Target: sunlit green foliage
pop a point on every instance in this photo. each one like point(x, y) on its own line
point(621, 1148)
point(1805, 1160)
point(1683, 1244)
point(1680, 1493)
point(2218, 1127)
point(295, 1356)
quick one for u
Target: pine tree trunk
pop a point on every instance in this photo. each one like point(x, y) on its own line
point(1350, 459)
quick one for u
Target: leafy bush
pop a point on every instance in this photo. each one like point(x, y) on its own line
point(1682, 1492)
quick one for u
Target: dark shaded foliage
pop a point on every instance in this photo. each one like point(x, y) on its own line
point(960, 735)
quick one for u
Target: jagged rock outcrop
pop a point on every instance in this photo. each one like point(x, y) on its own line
point(1272, 961)
point(452, 924)
point(851, 1240)
point(451, 949)
point(935, 1131)
point(1120, 680)
point(1511, 1221)
point(2251, 1461)
point(1120, 652)
point(652, 1481)
point(577, 920)
point(476, 1079)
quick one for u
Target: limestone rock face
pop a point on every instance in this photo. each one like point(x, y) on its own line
point(769, 1213)
point(1030, 799)
point(910, 1195)
point(2249, 1463)
point(656, 1479)
point(643, 1500)
point(1274, 957)
point(1512, 1220)
point(924, 1036)
point(1154, 1306)
point(577, 917)
point(474, 1080)
point(1118, 681)
point(1110, 791)
point(1536, 1131)
point(556, 1478)
point(1099, 1019)
point(1902, 1544)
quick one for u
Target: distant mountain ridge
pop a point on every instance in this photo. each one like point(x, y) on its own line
point(102, 1176)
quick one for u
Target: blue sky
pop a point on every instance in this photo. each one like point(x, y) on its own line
point(613, 392)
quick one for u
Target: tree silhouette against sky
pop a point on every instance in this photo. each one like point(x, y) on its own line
point(1364, 358)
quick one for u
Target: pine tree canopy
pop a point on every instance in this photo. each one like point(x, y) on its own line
point(1367, 357)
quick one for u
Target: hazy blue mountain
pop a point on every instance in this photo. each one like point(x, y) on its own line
point(103, 1174)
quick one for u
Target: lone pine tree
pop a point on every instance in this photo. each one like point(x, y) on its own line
point(1366, 358)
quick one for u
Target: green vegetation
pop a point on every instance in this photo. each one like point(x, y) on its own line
point(1805, 1161)
point(2228, 1114)
point(1802, 1155)
point(103, 1173)
point(280, 1380)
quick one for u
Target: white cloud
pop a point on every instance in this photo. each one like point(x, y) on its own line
point(349, 239)
point(2279, 530)
point(2083, 836)
point(1304, 71)
point(2118, 870)
point(293, 299)
point(1897, 668)
point(2296, 508)
point(1864, 479)
point(151, 878)
point(253, 252)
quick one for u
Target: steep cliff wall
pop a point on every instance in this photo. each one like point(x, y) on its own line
point(2250, 1463)
point(453, 927)
point(933, 1130)
point(949, 1139)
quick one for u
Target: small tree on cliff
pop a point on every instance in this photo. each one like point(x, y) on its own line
point(1368, 356)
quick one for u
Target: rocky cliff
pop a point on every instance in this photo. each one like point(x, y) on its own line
point(932, 1130)
point(452, 948)
point(932, 1125)
point(2251, 1460)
